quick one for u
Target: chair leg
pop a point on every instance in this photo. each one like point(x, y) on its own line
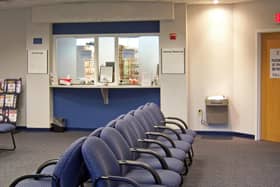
point(190, 158)
point(14, 142)
point(192, 151)
point(13, 146)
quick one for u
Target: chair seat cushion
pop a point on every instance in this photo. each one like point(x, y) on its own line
point(168, 178)
point(176, 153)
point(6, 127)
point(173, 163)
point(185, 146)
point(35, 183)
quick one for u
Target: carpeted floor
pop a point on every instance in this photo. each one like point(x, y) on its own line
point(221, 162)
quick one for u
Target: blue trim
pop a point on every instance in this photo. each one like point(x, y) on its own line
point(107, 27)
point(37, 41)
point(225, 133)
point(84, 108)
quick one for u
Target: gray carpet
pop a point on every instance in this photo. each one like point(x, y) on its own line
point(218, 162)
point(234, 162)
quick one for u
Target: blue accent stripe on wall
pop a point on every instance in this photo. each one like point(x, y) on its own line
point(107, 27)
point(84, 108)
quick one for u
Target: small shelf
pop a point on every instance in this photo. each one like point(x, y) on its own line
point(103, 88)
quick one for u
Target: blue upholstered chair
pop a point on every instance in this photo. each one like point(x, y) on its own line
point(162, 120)
point(122, 151)
point(132, 132)
point(106, 171)
point(70, 171)
point(171, 141)
point(7, 127)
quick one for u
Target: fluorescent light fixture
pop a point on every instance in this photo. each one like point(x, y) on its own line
point(215, 1)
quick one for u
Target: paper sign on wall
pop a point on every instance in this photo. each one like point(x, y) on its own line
point(173, 61)
point(37, 61)
point(274, 63)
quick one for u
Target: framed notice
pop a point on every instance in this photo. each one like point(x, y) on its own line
point(274, 63)
point(106, 74)
point(37, 61)
point(173, 60)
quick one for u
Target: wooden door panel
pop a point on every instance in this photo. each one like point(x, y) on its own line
point(270, 91)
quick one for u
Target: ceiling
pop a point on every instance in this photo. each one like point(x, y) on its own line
point(6, 4)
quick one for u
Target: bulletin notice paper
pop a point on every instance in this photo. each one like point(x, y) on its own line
point(274, 63)
point(173, 60)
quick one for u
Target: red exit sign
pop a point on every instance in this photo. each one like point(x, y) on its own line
point(277, 18)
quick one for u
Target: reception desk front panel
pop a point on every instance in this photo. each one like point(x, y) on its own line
point(85, 108)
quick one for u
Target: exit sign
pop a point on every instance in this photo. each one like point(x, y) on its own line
point(277, 18)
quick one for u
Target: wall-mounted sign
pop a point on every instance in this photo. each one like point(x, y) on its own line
point(275, 63)
point(277, 18)
point(37, 61)
point(37, 41)
point(173, 60)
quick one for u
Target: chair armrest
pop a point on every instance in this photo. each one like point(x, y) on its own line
point(168, 128)
point(142, 165)
point(161, 135)
point(175, 123)
point(45, 164)
point(32, 176)
point(150, 152)
point(117, 179)
point(164, 147)
point(178, 119)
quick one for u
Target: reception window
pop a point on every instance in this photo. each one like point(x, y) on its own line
point(133, 58)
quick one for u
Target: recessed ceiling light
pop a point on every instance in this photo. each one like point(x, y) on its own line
point(215, 1)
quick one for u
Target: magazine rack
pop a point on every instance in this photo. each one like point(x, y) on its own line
point(9, 93)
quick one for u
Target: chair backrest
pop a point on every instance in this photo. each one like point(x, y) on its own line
point(71, 171)
point(100, 160)
point(96, 132)
point(127, 131)
point(141, 117)
point(154, 108)
point(117, 144)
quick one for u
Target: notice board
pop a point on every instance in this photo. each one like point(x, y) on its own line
point(37, 61)
point(274, 63)
point(173, 60)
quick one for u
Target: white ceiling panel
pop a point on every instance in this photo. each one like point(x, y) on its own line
point(6, 4)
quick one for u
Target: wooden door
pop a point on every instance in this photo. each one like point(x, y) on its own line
point(270, 88)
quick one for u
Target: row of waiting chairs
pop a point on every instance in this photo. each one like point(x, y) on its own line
point(134, 150)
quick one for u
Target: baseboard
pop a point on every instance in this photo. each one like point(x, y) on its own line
point(48, 129)
point(226, 133)
point(21, 128)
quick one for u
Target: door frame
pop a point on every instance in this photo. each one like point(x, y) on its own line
point(258, 70)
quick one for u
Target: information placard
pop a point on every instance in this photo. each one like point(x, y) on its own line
point(37, 61)
point(274, 63)
point(173, 61)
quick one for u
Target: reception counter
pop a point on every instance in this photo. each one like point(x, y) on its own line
point(93, 106)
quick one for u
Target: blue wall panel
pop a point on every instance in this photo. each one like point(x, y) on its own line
point(84, 108)
point(107, 27)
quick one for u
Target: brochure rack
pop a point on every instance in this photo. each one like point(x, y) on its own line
point(9, 93)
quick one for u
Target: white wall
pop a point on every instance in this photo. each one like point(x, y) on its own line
point(38, 105)
point(248, 19)
point(210, 57)
point(90, 12)
point(173, 90)
point(13, 54)
point(226, 64)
